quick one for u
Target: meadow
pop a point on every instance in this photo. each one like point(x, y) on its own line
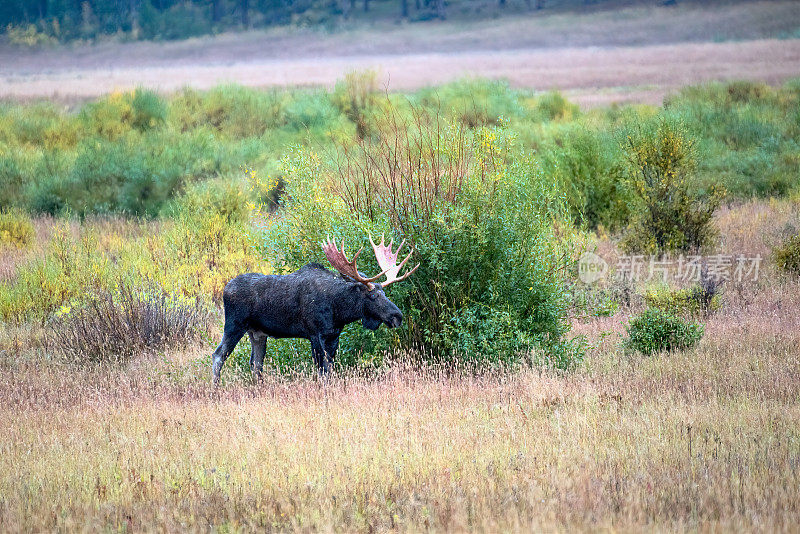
point(596, 53)
point(514, 397)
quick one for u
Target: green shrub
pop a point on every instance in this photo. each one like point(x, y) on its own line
point(148, 109)
point(16, 229)
point(553, 106)
point(310, 110)
point(28, 125)
point(747, 128)
point(112, 117)
point(490, 286)
point(128, 175)
point(231, 110)
point(283, 357)
point(356, 97)
point(747, 135)
point(473, 102)
point(787, 255)
point(670, 215)
point(742, 91)
point(226, 198)
point(12, 183)
point(656, 331)
point(590, 165)
point(699, 299)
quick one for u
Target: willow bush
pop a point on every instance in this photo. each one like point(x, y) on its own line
point(670, 213)
point(490, 232)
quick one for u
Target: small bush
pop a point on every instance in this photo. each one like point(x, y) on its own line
point(112, 117)
point(591, 168)
point(698, 300)
point(787, 255)
point(225, 198)
point(553, 106)
point(128, 323)
point(310, 110)
point(656, 331)
point(670, 215)
point(16, 229)
point(742, 91)
point(12, 183)
point(149, 110)
point(473, 102)
point(356, 97)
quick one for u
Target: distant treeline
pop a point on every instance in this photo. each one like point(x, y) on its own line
point(34, 22)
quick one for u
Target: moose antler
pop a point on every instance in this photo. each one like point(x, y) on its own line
point(388, 261)
point(339, 260)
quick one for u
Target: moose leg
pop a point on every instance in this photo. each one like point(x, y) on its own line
point(319, 355)
point(331, 344)
point(230, 338)
point(323, 348)
point(258, 344)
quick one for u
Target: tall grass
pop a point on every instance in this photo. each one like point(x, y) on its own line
point(705, 439)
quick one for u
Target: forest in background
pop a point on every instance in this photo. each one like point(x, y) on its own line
point(32, 23)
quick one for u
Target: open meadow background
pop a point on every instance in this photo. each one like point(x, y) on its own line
point(150, 154)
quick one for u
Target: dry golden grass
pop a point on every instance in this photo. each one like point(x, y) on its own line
point(707, 439)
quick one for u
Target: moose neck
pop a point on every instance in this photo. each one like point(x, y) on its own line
point(349, 305)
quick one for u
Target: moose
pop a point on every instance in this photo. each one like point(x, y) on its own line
point(312, 303)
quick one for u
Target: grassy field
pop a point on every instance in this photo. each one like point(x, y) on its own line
point(704, 439)
point(513, 398)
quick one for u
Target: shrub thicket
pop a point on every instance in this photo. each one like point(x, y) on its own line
point(656, 330)
point(591, 170)
point(489, 231)
point(134, 151)
point(191, 256)
point(552, 106)
point(697, 300)
point(747, 135)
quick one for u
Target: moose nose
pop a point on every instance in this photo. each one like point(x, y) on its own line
point(396, 320)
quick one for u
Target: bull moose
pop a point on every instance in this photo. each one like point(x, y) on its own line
point(312, 303)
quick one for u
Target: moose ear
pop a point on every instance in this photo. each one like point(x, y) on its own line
point(358, 288)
